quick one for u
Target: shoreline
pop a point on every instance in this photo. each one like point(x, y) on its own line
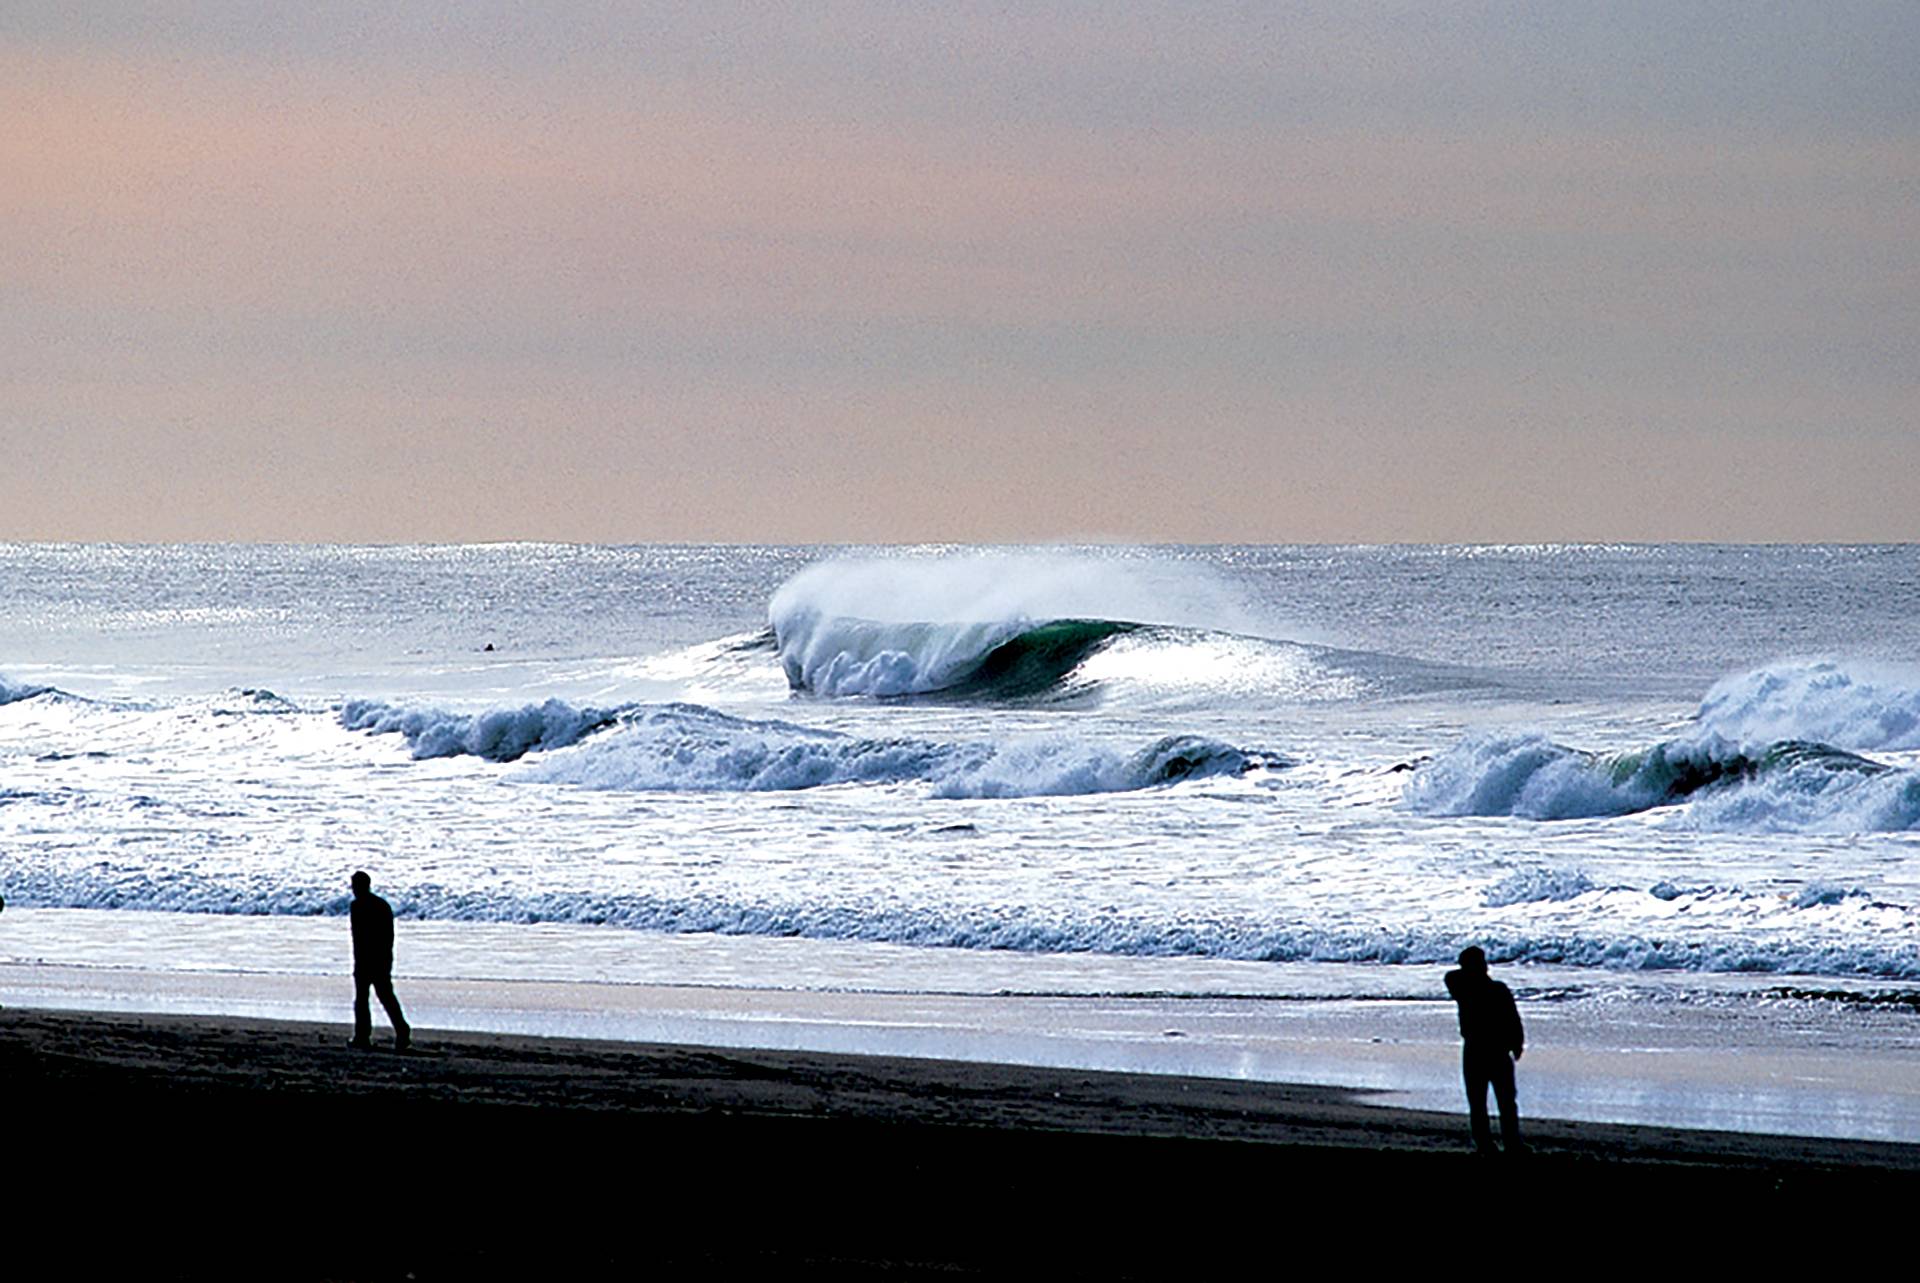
point(487, 1154)
point(1727, 1060)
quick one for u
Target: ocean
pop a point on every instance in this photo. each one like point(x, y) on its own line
point(1664, 770)
point(1674, 759)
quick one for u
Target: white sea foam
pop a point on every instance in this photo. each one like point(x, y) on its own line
point(1848, 705)
point(1194, 669)
point(242, 700)
point(499, 735)
point(1828, 929)
point(1812, 797)
point(684, 747)
point(1530, 886)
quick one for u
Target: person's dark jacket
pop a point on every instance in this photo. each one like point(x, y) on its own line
point(1489, 1022)
point(372, 920)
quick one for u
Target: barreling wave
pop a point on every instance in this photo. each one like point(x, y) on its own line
point(1790, 785)
point(1006, 659)
point(691, 748)
point(1001, 626)
point(996, 629)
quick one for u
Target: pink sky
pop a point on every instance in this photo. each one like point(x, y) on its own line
point(1314, 278)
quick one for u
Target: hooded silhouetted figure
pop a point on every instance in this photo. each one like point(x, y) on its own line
point(1493, 1039)
point(372, 920)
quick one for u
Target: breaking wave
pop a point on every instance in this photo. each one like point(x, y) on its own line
point(1020, 628)
point(1772, 753)
point(12, 691)
point(499, 735)
point(690, 748)
point(1788, 786)
point(987, 626)
point(687, 747)
point(1003, 660)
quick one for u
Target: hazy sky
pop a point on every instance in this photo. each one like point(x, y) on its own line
point(607, 271)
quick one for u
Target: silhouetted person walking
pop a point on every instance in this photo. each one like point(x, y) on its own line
point(372, 920)
point(1492, 1040)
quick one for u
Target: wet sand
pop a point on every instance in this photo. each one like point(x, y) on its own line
point(221, 1147)
point(1735, 1053)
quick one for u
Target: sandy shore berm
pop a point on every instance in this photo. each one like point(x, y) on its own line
point(209, 1142)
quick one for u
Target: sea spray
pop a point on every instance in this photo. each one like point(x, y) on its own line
point(1849, 705)
point(1009, 588)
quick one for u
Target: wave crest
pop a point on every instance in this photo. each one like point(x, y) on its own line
point(499, 735)
point(1790, 785)
point(12, 692)
point(685, 747)
point(1006, 625)
point(692, 748)
point(838, 657)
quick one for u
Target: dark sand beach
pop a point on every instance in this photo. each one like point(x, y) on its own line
point(210, 1147)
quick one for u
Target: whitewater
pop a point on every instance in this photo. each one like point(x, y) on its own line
point(1659, 765)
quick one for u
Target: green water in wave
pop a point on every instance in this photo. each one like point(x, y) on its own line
point(1036, 661)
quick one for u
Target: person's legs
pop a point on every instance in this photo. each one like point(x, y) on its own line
point(362, 1012)
point(1508, 1097)
point(402, 1031)
point(1473, 1068)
